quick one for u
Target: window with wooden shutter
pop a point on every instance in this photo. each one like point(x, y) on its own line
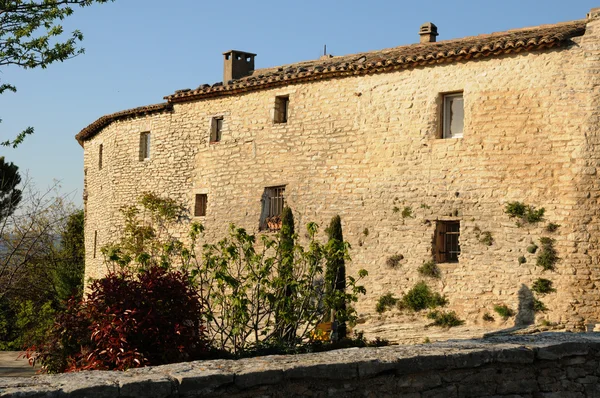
point(447, 247)
point(200, 205)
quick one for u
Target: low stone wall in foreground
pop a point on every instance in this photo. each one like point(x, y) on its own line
point(542, 365)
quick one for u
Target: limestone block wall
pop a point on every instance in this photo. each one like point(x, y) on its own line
point(366, 147)
point(547, 366)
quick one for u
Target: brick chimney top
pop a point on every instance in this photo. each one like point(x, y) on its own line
point(428, 32)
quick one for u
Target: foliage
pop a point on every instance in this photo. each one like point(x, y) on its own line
point(30, 37)
point(430, 269)
point(68, 277)
point(10, 195)
point(532, 248)
point(420, 297)
point(487, 317)
point(286, 272)
point(552, 227)
point(396, 209)
point(486, 238)
point(335, 275)
point(445, 319)
point(128, 320)
point(542, 286)
point(538, 305)
point(366, 232)
point(385, 302)
point(394, 260)
point(407, 212)
point(525, 213)
point(504, 311)
point(547, 257)
point(522, 260)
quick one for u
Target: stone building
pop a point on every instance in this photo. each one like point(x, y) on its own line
point(418, 148)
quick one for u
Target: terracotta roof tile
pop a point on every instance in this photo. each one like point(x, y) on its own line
point(526, 39)
point(410, 56)
point(104, 121)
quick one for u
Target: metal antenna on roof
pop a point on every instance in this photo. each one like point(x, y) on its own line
point(325, 49)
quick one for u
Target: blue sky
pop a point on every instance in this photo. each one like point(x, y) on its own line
point(138, 51)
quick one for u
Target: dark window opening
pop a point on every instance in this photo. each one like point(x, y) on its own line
point(95, 242)
point(272, 206)
point(144, 146)
point(446, 245)
point(281, 109)
point(216, 129)
point(100, 150)
point(200, 205)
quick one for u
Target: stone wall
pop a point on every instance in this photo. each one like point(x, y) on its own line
point(546, 366)
point(365, 147)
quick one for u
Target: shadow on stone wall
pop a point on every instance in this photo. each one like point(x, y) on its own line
point(525, 314)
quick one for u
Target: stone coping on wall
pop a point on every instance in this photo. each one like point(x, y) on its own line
point(272, 375)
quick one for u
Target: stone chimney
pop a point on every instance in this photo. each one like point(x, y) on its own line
point(428, 32)
point(237, 64)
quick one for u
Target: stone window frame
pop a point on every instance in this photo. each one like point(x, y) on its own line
point(281, 113)
point(200, 204)
point(272, 203)
point(145, 144)
point(216, 129)
point(445, 115)
point(446, 241)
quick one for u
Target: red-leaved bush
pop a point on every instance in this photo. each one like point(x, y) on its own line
point(128, 320)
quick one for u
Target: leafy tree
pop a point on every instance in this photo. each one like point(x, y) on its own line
point(335, 274)
point(70, 267)
point(10, 195)
point(31, 37)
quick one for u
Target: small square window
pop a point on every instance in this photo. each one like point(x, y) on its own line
point(453, 115)
point(272, 207)
point(281, 109)
point(100, 150)
point(145, 146)
point(446, 242)
point(200, 205)
point(216, 129)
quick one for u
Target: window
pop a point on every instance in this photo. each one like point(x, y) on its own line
point(200, 206)
point(447, 248)
point(145, 146)
point(272, 207)
point(281, 109)
point(95, 242)
point(216, 129)
point(100, 149)
point(453, 115)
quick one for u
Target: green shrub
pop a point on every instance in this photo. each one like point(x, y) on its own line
point(486, 238)
point(366, 232)
point(552, 227)
point(445, 319)
point(407, 212)
point(522, 260)
point(421, 297)
point(504, 311)
point(488, 318)
point(525, 213)
point(547, 257)
point(542, 286)
point(425, 206)
point(539, 306)
point(385, 302)
point(394, 261)
point(396, 209)
point(430, 269)
point(532, 248)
